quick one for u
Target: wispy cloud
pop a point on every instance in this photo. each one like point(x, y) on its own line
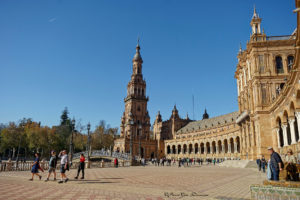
point(52, 19)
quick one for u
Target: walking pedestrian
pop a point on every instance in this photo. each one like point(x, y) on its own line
point(276, 164)
point(116, 162)
point(35, 167)
point(81, 167)
point(64, 165)
point(263, 164)
point(52, 166)
point(143, 162)
point(258, 162)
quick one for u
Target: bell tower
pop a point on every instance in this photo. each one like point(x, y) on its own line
point(257, 34)
point(136, 119)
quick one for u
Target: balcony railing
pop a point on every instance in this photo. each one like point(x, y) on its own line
point(282, 37)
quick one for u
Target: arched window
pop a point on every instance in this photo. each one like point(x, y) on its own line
point(139, 70)
point(290, 60)
point(168, 149)
point(296, 129)
point(279, 66)
point(280, 133)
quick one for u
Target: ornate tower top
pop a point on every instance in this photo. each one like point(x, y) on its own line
point(175, 112)
point(137, 57)
point(256, 34)
point(158, 117)
point(240, 49)
point(255, 22)
point(255, 15)
point(205, 115)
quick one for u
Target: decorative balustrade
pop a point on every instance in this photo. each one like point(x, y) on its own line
point(26, 166)
point(102, 152)
point(283, 37)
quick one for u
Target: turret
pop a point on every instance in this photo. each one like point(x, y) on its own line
point(205, 115)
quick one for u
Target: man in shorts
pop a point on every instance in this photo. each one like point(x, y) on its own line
point(64, 165)
point(52, 166)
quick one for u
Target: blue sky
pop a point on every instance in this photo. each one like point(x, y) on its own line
point(57, 53)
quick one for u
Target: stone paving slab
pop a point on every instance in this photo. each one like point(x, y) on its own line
point(146, 183)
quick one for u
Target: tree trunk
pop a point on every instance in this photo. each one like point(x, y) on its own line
point(14, 153)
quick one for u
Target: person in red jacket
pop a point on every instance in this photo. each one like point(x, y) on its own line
point(81, 166)
point(116, 162)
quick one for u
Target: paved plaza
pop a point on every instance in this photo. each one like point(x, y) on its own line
point(150, 182)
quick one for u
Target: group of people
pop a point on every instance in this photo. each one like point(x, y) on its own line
point(275, 165)
point(64, 166)
point(184, 161)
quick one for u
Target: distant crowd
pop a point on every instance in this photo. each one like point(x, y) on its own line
point(183, 161)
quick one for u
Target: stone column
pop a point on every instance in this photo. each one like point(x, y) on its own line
point(297, 114)
point(284, 129)
point(278, 137)
point(235, 147)
point(284, 63)
point(205, 149)
point(292, 130)
point(229, 147)
point(223, 147)
point(217, 149)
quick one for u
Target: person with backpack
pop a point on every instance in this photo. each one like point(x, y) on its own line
point(81, 166)
point(35, 167)
point(52, 166)
point(276, 164)
point(64, 165)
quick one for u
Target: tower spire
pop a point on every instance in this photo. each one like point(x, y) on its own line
point(255, 23)
point(240, 50)
point(255, 15)
point(137, 56)
point(205, 115)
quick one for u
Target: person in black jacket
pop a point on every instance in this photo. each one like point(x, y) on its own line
point(276, 164)
point(258, 162)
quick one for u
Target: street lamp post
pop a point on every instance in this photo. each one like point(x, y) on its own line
point(89, 143)
point(71, 142)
